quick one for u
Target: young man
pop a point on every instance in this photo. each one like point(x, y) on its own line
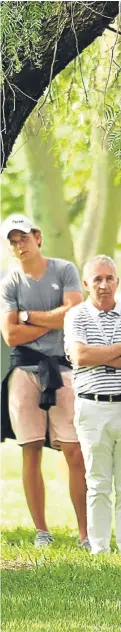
point(93, 342)
point(34, 300)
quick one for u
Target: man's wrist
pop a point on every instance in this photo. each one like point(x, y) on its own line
point(23, 317)
point(29, 318)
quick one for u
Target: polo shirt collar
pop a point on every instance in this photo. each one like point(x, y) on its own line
point(95, 312)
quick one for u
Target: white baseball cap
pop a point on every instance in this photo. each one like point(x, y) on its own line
point(16, 221)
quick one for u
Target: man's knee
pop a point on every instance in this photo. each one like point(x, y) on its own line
point(73, 455)
point(32, 453)
point(33, 446)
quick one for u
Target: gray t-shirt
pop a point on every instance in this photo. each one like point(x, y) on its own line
point(20, 292)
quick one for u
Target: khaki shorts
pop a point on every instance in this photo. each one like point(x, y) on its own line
point(29, 422)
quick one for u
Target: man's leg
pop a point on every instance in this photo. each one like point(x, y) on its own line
point(117, 472)
point(99, 488)
point(97, 447)
point(28, 422)
point(77, 484)
point(63, 433)
point(33, 483)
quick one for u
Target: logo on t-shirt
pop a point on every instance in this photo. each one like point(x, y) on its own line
point(56, 287)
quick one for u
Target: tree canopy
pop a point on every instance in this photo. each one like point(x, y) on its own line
point(65, 168)
point(39, 40)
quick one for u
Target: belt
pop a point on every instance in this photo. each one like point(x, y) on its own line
point(100, 398)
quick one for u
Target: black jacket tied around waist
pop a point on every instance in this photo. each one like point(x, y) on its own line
point(50, 379)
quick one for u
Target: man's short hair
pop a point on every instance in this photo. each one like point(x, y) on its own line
point(102, 259)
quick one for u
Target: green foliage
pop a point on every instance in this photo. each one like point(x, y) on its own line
point(115, 143)
point(74, 114)
point(22, 31)
point(80, 106)
point(87, 92)
point(13, 184)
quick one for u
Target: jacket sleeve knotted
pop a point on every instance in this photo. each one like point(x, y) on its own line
point(51, 380)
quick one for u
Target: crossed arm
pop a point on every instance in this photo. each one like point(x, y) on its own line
point(40, 323)
point(92, 355)
point(54, 319)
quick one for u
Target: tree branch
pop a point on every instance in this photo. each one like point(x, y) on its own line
point(58, 47)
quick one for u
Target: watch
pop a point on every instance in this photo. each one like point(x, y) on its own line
point(24, 317)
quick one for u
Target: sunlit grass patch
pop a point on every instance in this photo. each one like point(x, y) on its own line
point(62, 589)
point(58, 588)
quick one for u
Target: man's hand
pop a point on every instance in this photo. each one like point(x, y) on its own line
point(54, 318)
point(19, 334)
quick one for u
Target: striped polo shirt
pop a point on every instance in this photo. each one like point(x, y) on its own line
point(85, 323)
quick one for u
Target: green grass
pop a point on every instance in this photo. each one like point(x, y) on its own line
point(58, 589)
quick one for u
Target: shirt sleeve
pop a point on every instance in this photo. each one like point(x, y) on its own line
point(8, 296)
point(71, 279)
point(74, 329)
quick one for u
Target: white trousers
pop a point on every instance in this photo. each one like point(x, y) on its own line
point(98, 426)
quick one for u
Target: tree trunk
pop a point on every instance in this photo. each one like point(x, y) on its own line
point(48, 207)
point(112, 218)
point(80, 25)
point(102, 215)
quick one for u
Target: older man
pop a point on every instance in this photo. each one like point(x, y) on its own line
point(34, 299)
point(93, 342)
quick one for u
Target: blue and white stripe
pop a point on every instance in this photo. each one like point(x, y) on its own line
point(85, 323)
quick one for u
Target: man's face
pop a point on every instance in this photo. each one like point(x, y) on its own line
point(102, 284)
point(24, 246)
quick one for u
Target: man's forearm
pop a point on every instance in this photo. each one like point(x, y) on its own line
point(22, 334)
point(53, 319)
point(90, 355)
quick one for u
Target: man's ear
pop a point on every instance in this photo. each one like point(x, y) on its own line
point(117, 282)
point(39, 237)
point(85, 285)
